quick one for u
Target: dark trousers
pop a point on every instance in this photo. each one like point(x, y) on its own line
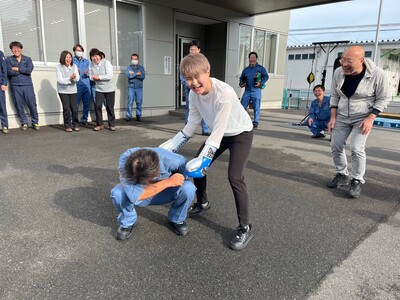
point(3, 110)
point(70, 110)
point(24, 95)
point(109, 99)
point(239, 149)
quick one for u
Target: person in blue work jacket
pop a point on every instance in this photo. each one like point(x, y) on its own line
point(3, 89)
point(135, 74)
point(194, 47)
point(152, 176)
point(253, 79)
point(83, 85)
point(19, 69)
point(320, 113)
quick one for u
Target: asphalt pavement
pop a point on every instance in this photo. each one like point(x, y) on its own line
point(57, 222)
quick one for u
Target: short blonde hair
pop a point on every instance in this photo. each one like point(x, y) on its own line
point(194, 64)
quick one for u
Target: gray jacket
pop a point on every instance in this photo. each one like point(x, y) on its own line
point(372, 92)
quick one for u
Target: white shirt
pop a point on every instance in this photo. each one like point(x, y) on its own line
point(64, 83)
point(221, 110)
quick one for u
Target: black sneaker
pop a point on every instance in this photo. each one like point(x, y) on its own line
point(318, 136)
point(255, 125)
point(196, 208)
point(139, 118)
point(242, 238)
point(338, 180)
point(179, 228)
point(355, 188)
point(124, 233)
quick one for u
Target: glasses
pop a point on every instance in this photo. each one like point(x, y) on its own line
point(348, 60)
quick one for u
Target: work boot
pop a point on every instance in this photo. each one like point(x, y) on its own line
point(338, 180)
point(179, 228)
point(197, 208)
point(244, 234)
point(355, 188)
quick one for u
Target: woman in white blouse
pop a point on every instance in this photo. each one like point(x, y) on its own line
point(67, 76)
point(101, 72)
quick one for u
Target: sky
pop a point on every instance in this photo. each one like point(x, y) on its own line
point(350, 20)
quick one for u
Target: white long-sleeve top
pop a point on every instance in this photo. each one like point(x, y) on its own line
point(221, 110)
point(64, 83)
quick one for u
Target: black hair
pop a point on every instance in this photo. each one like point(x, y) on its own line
point(142, 166)
point(78, 46)
point(319, 86)
point(16, 44)
point(255, 53)
point(195, 43)
point(63, 55)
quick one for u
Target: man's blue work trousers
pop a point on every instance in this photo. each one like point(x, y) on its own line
point(180, 197)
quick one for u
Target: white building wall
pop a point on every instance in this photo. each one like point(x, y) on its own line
point(159, 42)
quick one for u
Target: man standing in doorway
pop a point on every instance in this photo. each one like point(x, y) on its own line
point(253, 79)
point(359, 93)
point(194, 47)
point(135, 74)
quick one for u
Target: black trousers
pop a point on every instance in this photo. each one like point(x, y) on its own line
point(110, 102)
point(70, 110)
point(239, 149)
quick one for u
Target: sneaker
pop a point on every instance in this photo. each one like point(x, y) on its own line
point(83, 123)
point(206, 133)
point(139, 118)
point(128, 119)
point(242, 238)
point(255, 125)
point(68, 129)
point(355, 188)
point(124, 233)
point(196, 208)
point(112, 128)
point(179, 228)
point(338, 180)
point(24, 127)
point(36, 127)
point(76, 129)
point(4, 130)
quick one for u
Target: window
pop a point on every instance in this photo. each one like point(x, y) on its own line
point(271, 52)
point(311, 55)
point(245, 46)
point(368, 54)
point(304, 56)
point(45, 28)
point(259, 44)
point(20, 22)
point(260, 41)
point(297, 56)
point(130, 34)
point(291, 56)
point(100, 29)
point(60, 27)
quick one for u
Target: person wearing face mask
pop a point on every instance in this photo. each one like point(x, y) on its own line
point(135, 74)
point(83, 85)
point(253, 79)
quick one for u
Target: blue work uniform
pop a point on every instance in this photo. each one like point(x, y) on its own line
point(204, 127)
point(135, 89)
point(3, 81)
point(125, 195)
point(83, 86)
point(22, 91)
point(320, 115)
point(251, 93)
